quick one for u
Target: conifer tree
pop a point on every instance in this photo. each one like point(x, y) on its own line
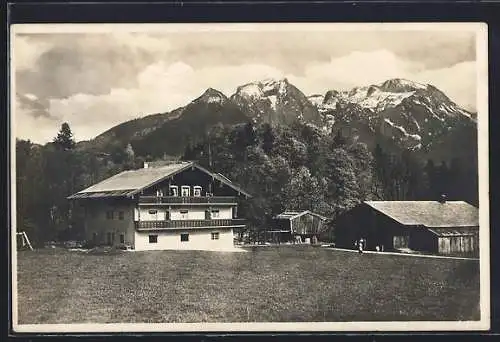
point(64, 138)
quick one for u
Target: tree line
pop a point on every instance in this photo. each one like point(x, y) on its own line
point(297, 167)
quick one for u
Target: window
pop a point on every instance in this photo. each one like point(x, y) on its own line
point(152, 211)
point(184, 213)
point(197, 191)
point(153, 238)
point(174, 190)
point(109, 214)
point(185, 191)
point(215, 235)
point(122, 238)
point(120, 215)
point(215, 213)
point(159, 193)
point(184, 237)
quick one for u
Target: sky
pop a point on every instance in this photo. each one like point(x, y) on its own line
point(96, 80)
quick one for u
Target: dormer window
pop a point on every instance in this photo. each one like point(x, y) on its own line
point(185, 191)
point(174, 190)
point(197, 191)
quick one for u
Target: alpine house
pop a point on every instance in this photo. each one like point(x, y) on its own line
point(180, 205)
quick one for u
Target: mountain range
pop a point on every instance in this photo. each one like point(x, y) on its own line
point(397, 114)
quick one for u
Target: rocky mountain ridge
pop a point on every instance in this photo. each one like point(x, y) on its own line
point(398, 112)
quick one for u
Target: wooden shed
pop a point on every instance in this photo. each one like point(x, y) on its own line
point(292, 225)
point(442, 227)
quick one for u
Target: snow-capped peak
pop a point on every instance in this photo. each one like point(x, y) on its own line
point(390, 94)
point(272, 85)
point(400, 85)
point(264, 88)
point(316, 99)
point(250, 91)
point(372, 97)
point(212, 95)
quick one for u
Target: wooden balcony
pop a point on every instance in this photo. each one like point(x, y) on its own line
point(175, 200)
point(188, 224)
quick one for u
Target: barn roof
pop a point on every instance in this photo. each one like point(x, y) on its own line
point(290, 215)
point(128, 183)
point(458, 231)
point(429, 213)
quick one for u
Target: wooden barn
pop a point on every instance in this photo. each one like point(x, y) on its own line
point(442, 227)
point(294, 225)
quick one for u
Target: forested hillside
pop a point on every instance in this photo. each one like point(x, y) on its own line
point(295, 167)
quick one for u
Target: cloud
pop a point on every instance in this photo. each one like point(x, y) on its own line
point(373, 67)
point(31, 105)
point(160, 87)
point(26, 51)
point(458, 82)
point(95, 81)
point(354, 69)
point(58, 66)
point(27, 124)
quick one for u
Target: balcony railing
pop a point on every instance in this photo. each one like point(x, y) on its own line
point(176, 224)
point(186, 200)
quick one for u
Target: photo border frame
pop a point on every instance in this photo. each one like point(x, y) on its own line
point(363, 7)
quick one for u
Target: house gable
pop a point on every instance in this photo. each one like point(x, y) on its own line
point(132, 182)
point(191, 177)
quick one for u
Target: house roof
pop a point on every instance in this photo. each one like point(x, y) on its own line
point(290, 215)
point(128, 183)
point(429, 213)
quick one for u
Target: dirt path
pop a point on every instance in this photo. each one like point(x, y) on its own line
point(405, 254)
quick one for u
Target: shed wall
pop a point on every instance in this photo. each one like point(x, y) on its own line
point(378, 229)
point(306, 224)
point(458, 244)
point(422, 239)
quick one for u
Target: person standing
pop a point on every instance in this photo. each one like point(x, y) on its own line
point(361, 245)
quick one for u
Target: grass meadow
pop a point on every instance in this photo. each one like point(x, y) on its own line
point(266, 284)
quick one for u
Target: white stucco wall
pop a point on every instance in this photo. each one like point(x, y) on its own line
point(225, 212)
point(198, 240)
point(145, 214)
point(194, 213)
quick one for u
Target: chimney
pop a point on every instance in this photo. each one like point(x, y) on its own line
point(442, 199)
point(146, 165)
